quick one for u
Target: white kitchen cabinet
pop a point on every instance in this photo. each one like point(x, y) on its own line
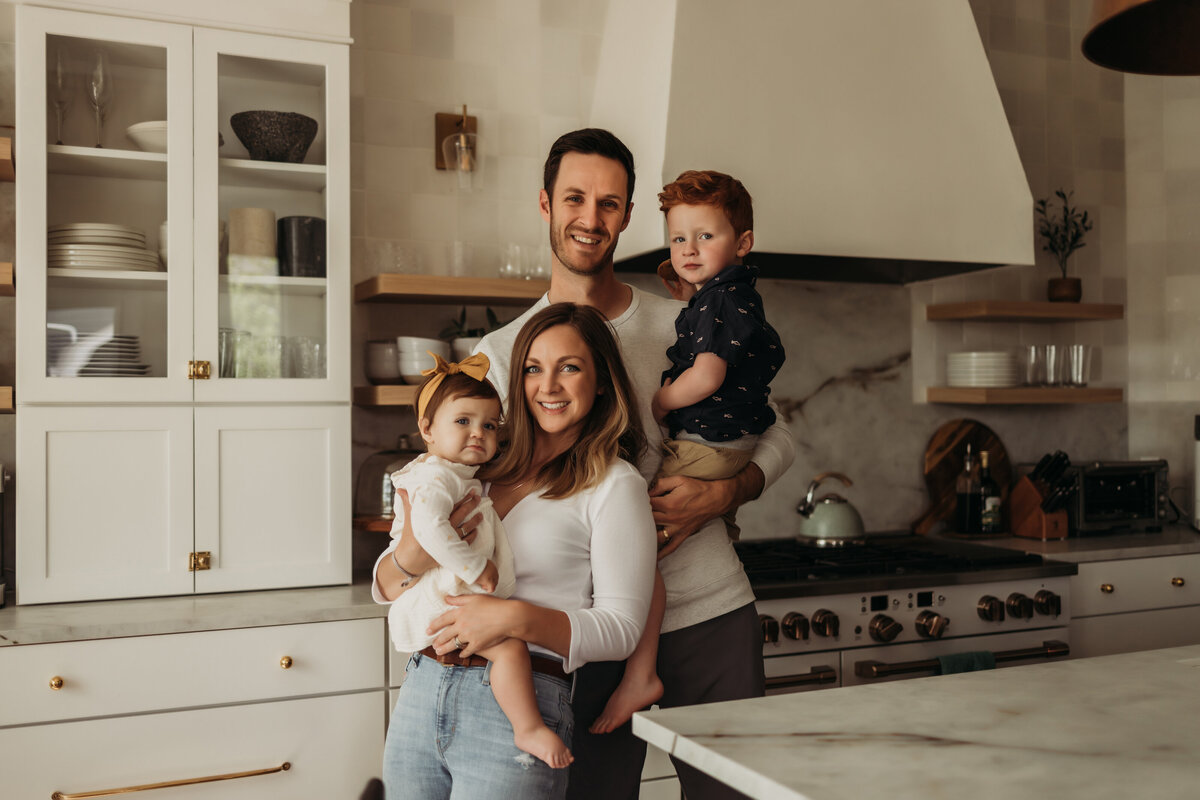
point(1126, 605)
point(231, 701)
point(122, 353)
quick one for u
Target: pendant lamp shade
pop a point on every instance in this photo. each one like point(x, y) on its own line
point(1149, 37)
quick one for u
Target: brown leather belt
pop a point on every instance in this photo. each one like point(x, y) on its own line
point(547, 666)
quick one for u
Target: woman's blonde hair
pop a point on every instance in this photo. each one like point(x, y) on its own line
point(611, 430)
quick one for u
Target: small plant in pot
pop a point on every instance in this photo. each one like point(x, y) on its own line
point(1064, 235)
point(462, 338)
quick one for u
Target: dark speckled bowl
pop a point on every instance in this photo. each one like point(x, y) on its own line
point(274, 135)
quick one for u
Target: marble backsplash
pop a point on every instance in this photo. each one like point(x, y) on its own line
point(846, 390)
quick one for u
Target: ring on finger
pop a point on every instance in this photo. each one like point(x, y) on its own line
point(462, 533)
point(459, 644)
point(663, 530)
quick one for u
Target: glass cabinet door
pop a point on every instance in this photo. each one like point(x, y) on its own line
point(272, 210)
point(106, 132)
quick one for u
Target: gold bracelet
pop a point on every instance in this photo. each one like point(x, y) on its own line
point(408, 576)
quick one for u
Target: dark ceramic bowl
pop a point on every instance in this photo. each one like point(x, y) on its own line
point(274, 135)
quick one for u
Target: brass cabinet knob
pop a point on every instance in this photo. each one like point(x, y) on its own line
point(56, 683)
point(1178, 581)
point(286, 662)
point(1107, 588)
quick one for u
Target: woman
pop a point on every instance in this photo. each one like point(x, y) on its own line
point(582, 537)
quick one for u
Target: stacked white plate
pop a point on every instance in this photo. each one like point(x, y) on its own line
point(985, 369)
point(98, 245)
point(95, 355)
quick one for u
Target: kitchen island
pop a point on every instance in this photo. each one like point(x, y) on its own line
point(1111, 727)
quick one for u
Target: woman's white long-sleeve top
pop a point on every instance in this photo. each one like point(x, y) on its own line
point(590, 555)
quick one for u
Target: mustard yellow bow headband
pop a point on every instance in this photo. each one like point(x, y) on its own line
point(475, 366)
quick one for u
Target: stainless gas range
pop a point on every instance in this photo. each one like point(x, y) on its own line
point(889, 607)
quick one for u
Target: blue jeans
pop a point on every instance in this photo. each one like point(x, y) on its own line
point(448, 738)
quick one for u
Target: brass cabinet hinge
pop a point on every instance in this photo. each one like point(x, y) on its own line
point(199, 370)
point(198, 562)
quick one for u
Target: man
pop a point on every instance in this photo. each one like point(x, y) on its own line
point(711, 647)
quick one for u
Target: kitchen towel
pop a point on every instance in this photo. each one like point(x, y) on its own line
point(971, 661)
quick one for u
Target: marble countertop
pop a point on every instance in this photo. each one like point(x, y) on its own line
point(1092, 729)
point(102, 619)
point(1172, 540)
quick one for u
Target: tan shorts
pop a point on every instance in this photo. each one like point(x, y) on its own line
point(705, 462)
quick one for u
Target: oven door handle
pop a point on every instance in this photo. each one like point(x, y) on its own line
point(878, 669)
point(816, 675)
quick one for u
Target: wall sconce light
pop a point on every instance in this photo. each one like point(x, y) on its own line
point(457, 147)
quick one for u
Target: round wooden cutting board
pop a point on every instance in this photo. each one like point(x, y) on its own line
point(944, 462)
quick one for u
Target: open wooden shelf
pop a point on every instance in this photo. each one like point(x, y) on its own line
point(6, 400)
point(1021, 311)
point(7, 287)
point(373, 524)
point(8, 170)
point(435, 289)
point(385, 395)
point(1023, 395)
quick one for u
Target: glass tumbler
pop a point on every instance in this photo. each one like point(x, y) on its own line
point(1031, 359)
point(226, 352)
point(1053, 356)
point(1078, 365)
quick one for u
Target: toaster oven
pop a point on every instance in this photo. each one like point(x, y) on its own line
point(1119, 496)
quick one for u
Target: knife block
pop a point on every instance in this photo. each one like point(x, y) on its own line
point(1028, 519)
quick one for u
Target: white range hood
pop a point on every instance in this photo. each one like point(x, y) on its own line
point(870, 132)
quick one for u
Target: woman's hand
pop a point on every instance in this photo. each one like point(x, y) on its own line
point(479, 621)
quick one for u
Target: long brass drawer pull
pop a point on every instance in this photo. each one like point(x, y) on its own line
point(169, 784)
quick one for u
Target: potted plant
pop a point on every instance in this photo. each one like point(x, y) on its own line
point(1064, 235)
point(462, 338)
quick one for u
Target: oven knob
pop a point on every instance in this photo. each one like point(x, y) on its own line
point(770, 629)
point(930, 624)
point(883, 628)
point(1019, 606)
point(825, 622)
point(1047, 603)
point(990, 609)
point(795, 626)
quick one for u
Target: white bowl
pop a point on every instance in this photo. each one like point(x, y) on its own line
point(149, 136)
point(416, 345)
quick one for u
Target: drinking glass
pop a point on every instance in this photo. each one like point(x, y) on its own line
point(1032, 361)
point(511, 262)
point(62, 86)
point(226, 352)
point(1078, 365)
point(1053, 359)
point(99, 89)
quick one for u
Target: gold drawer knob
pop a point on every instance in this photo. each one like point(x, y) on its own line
point(286, 662)
point(1178, 581)
point(1107, 588)
point(56, 683)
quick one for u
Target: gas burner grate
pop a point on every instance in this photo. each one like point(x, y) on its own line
point(771, 561)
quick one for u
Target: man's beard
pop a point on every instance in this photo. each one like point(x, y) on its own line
point(558, 246)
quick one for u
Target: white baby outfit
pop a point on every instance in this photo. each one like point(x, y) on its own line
point(434, 485)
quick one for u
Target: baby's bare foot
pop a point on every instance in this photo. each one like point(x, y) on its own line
point(633, 694)
point(545, 744)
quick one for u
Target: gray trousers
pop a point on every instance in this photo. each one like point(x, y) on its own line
point(718, 659)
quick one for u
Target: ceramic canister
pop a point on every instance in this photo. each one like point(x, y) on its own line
point(252, 231)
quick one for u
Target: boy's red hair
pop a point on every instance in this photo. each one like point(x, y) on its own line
point(709, 188)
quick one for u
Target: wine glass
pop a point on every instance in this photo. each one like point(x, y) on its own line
point(99, 89)
point(62, 83)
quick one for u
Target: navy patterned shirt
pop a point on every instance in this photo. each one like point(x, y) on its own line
point(726, 318)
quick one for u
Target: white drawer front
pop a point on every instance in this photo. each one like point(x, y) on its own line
point(333, 744)
point(151, 673)
point(1140, 630)
point(1136, 584)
